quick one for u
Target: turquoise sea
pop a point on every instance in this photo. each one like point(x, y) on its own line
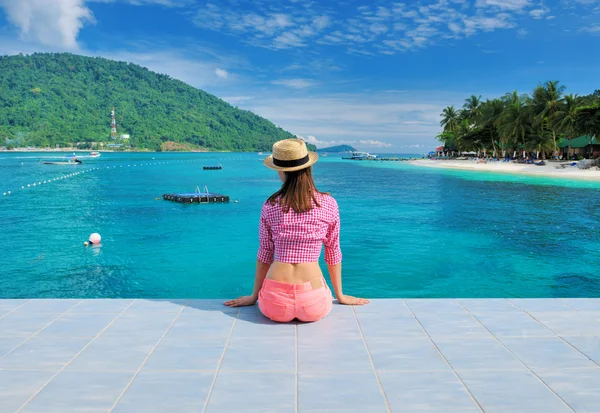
point(406, 231)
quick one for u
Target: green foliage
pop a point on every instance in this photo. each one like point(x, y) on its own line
point(515, 121)
point(338, 148)
point(61, 98)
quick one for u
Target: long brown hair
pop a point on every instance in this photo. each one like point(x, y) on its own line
point(297, 192)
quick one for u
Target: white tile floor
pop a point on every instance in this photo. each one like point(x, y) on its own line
point(465, 355)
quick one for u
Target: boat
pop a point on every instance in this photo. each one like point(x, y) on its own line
point(94, 154)
point(324, 154)
point(359, 156)
point(70, 162)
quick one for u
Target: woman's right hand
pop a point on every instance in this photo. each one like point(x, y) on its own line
point(242, 301)
point(349, 300)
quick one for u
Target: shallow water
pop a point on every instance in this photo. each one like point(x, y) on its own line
point(406, 231)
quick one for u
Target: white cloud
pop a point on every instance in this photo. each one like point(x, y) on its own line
point(321, 22)
point(367, 29)
point(365, 143)
point(594, 29)
point(539, 13)
point(515, 5)
point(396, 118)
point(295, 83)
point(166, 3)
point(221, 73)
point(50, 25)
point(376, 144)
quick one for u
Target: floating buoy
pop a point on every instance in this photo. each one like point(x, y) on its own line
point(8, 192)
point(95, 238)
point(236, 201)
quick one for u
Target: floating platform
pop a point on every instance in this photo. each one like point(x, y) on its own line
point(210, 168)
point(197, 197)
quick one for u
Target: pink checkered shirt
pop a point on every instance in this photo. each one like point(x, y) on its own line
point(298, 237)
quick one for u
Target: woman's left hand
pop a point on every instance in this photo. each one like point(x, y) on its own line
point(241, 302)
point(349, 300)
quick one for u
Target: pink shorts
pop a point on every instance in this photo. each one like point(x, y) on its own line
point(283, 302)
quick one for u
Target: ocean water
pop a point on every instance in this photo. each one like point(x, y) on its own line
point(406, 231)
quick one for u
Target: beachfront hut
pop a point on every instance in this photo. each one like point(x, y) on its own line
point(583, 145)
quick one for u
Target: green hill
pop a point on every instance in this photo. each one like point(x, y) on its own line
point(60, 99)
point(338, 148)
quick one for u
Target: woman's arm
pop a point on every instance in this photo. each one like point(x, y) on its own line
point(261, 272)
point(263, 263)
point(333, 258)
point(335, 274)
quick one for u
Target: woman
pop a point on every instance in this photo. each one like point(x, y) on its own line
point(294, 223)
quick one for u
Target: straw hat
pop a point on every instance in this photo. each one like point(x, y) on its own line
point(290, 155)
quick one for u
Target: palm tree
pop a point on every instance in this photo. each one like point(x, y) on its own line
point(449, 119)
point(472, 105)
point(537, 143)
point(546, 102)
point(512, 97)
point(564, 119)
point(515, 122)
point(489, 113)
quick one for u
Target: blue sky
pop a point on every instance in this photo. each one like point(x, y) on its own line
point(373, 74)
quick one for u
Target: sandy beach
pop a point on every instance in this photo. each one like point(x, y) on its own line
point(550, 169)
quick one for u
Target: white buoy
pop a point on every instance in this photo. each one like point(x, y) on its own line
point(22, 187)
point(28, 185)
point(8, 192)
point(34, 184)
point(4, 194)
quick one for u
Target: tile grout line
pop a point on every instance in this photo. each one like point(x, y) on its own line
point(39, 331)
point(583, 313)
point(381, 389)
point(148, 356)
point(516, 357)
point(445, 359)
point(14, 309)
point(297, 374)
point(212, 386)
point(73, 358)
point(563, 340)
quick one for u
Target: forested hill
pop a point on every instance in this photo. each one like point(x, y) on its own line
point(61, 98)
point(338, 148)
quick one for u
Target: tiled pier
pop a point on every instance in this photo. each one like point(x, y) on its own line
point(539, 355)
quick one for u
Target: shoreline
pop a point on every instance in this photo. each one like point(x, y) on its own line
point(549, 170)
